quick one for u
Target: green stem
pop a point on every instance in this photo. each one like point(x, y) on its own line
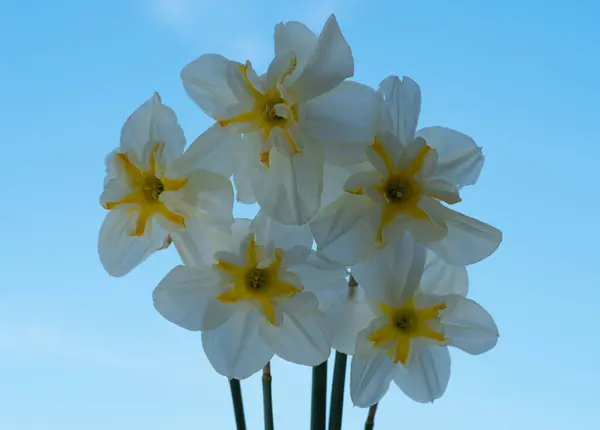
point(267, 397)
point(319, 397)
point(337, 391)
point(370, 423)
point(238, 404)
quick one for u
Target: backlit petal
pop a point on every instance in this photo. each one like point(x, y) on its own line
point(280, 235)
point(371, 372)
point(468, 326)
point(152, 123)
point(343, 121)
point(468, 240)
point(236, 349)
point(185, 294)
point(303, 337)
point(290, 190)
point(119, 251)
point(460, 160)
point(214, 150)
point(345, 231)
point(205, 81)
point(347, 318)
point(426, 375)
point(330, 63)
point(403, 101)
point(441, 278)
point(296, 37)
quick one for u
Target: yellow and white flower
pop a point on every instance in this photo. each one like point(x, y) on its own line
point(402, 188)
point(254, 301)
point(348, 310)
point(413, 324)
point(293, 118)
point(153, 192)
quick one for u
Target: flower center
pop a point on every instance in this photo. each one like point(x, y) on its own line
point(396, 190)
point(404, 321)
point(270, 111)
point(146, 188)
point(152, 188)
point(257, 279)
point(263, 286)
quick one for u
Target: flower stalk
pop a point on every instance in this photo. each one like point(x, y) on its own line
point(319, 397)
point(238, 404)
point(370, 422)
point(267, 397)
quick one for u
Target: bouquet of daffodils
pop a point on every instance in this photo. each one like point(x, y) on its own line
point(355, 246)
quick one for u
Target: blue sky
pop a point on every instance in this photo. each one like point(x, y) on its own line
point(81, 350)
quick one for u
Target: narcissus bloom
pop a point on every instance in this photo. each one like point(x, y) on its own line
point(414, 323)
point(298, 114)
point(155, 194)
point(348, 310)
point(403, 188)
point(253, 302)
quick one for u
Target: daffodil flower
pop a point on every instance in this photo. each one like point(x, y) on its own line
point(414, 322)
point(254, 301)
point(404, 186)
point(348, 310)
point(155, 194)
point(295, 117)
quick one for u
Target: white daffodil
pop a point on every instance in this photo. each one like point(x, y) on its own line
point(294, 117)
point(253, 302)
point(348, 310)
point(403, 187)
point(414, 323)
point(155, 194)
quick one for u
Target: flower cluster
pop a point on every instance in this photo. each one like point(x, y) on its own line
point(332, 163)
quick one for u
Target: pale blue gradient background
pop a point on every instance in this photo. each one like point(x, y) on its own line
point(81, 350)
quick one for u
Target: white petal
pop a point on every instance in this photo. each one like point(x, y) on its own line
point(238, 77)
point(460, 160)
point(429, 230)
point(330, 63)
point(468, 326)
point(393, 274)
point(214, 150)
point(296, 37)
point(207, 196)
point(119, 252)
point(440, 278)
point(427, 373)
point(205, 81)
point(318, 273)
point(362, 180)
point(345, 231)
point(230, 241)
point(196, 243)
point(343, 121)
point(116, 185)
point(334, 178)
point(290, 190)
point(185, 294)
point(347, 319)
point(403, 101)
point(236, 349)
point(303, 337)
point(152, 123)
point(280, 235)
point(371, 372)
point(246, 163)
point(468, 240)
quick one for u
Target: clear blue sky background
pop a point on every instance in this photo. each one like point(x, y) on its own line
point(81, 350)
